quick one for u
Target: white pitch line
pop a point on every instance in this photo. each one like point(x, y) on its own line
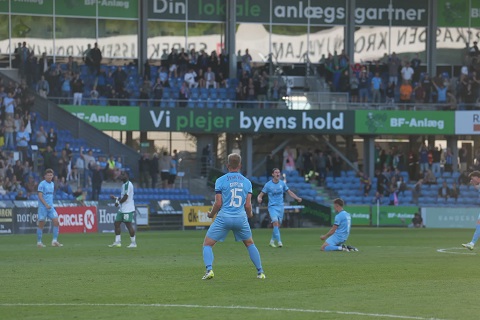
point(378, 315)
point(448, 250)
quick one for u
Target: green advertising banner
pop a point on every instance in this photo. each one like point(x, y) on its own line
point(393, 216)
point(127, 9)
point(325, 12)
point(404, 122)
point(36, 7)
point(459, 13)
point(247, 120)
point(360, 215)
point(450, 217)
point(107, 118)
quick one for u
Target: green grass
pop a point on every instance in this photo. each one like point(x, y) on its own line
point(398, 274)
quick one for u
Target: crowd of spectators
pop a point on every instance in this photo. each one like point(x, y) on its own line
point(400, 82)
point(178, 75)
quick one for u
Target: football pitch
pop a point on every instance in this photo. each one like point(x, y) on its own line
point(397, 274)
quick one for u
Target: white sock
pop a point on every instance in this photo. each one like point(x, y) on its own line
point(133, 239)
point(118, 238)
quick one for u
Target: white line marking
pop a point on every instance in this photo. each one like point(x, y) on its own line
point(449, 250)
point(209, 307)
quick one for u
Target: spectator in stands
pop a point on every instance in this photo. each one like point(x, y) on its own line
point(157, 91)
point(419, 93)
point(66, 85)
point(406, 91)
point(44, 64)
point(365, 184)
point(448, 166)
point(390, 94)
point(72, 65)
point(173, 63)
point(462, 158)
point(63, 186)
point(184, 94)
point(417, 221)
point(97, 180)
point(8, 133)
point(31, 186)
point(444, 191)
point(454, 191)
point(80, 194)
point(222, 82)
point(47, 157)
point(200, 79)
point(110, 168)
point(164, 164)
point(288, 160)
point(429, 177)
point(9, 103)
point(407, 73)
point(23, 139)
point(77, 89)
point(43, 88)
point(172, 174)
point(52, 138)
point(377, 198)
point(393, 67)
point(337, 163)
point(20, 196)
point(210, 80)
point(415, 65)
point(96, 56)
point(427, 85)
point(2, 188)
point(240, 95)
point(441, 90)
point(87, 57)
point(463, 178)
point(376, 88)
point(94, 95)
point(78, 170)
point(246, 62)
point(322, 162)
point(153, 170)
point(144, 170)
point(417, 191)
point(363, 84)
point(119, 77)
point(353, 85)
point(189, 78)
point(164, 59)
point(275, 93)
point(89, 161)
point(392, 197)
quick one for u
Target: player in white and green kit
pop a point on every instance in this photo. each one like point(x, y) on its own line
point(125, 212)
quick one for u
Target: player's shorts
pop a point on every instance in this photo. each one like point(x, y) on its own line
point(124, 217)
point(44, 213)
point(276, 213)
point(220, 227)
point(334, 240)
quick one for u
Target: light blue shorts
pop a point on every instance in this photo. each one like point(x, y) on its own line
point(220, 227)
point(43, 213)
point(334, 240)
point(276, 213)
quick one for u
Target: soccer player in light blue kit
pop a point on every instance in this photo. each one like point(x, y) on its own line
point(275, 189)
point(46, 209)
point(475, 181)
point(233, 203)
point(335, 238)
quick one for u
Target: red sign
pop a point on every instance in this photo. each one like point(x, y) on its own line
point(77, 219)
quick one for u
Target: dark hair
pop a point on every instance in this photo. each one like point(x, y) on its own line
point(339, 202)
point(273, 170)
point(474, 174)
